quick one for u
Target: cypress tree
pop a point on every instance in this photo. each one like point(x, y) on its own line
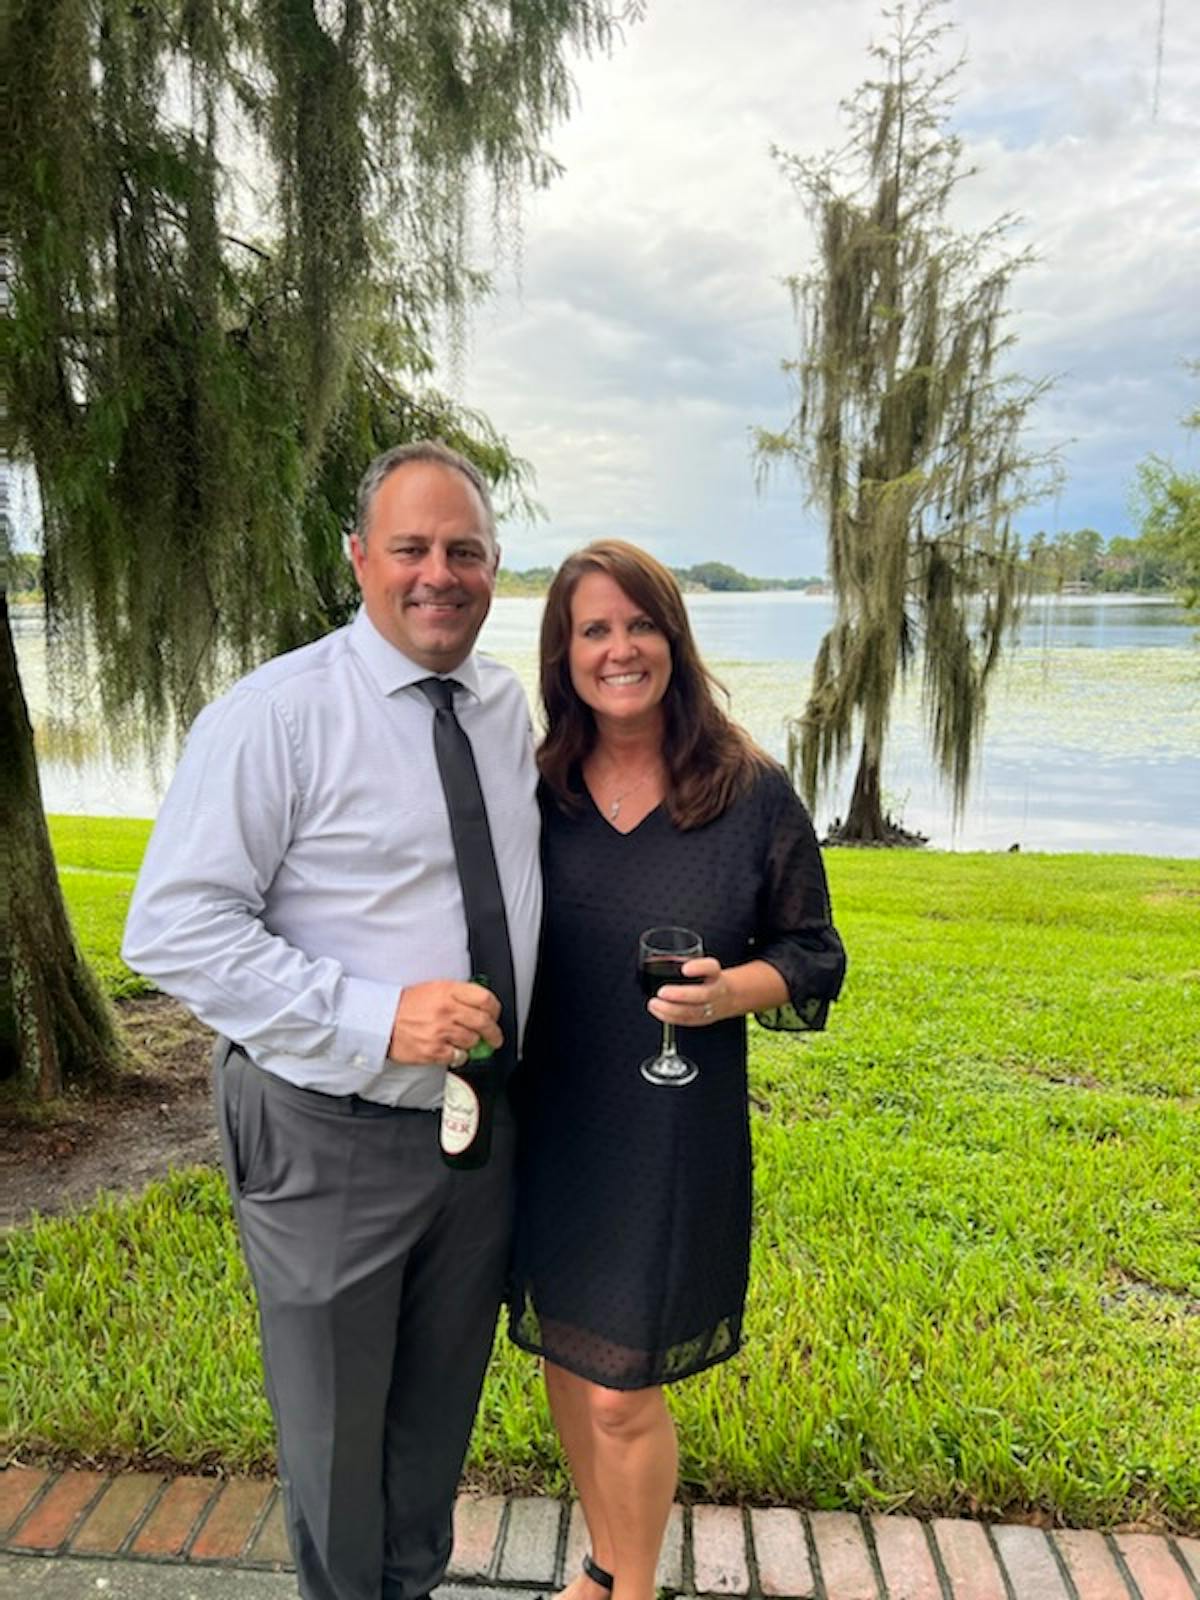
point(909, 439)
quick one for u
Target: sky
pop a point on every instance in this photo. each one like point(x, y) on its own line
point(637, 329)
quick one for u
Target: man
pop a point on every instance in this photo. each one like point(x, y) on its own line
point(306, 893)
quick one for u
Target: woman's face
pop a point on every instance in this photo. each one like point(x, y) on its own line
point(619, 659)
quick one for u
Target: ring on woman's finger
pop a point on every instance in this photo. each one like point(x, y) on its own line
point(459, 1058)
point(708, 1010)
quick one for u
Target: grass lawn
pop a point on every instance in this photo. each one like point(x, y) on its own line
point(976, 1277)
point(98, 859)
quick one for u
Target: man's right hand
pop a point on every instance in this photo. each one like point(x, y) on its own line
point(438, 1022)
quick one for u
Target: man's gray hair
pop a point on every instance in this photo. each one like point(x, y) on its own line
point(420, 450)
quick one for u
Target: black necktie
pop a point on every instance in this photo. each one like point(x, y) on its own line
point(483, 901)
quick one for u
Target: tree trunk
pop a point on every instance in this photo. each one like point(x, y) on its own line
point(865, 822)
point(55, 1026)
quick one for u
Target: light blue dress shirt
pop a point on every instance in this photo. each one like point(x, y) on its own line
point(301, 872)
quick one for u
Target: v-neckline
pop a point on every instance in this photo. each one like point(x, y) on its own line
point(621, 833)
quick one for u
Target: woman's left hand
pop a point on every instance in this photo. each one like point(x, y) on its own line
point(695, 1005)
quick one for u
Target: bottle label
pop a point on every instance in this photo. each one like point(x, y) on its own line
point(460, 1115)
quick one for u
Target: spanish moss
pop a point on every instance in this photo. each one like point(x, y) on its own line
point(908, 438)
point(236, 226)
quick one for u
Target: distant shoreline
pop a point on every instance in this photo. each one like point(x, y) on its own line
point(516, 591)
point(509, 587)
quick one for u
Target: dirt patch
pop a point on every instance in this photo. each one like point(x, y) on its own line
point(156, 1116)
point(1138, 1293)
point(894, 837)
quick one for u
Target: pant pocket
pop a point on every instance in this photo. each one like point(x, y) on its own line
point(243, 1119)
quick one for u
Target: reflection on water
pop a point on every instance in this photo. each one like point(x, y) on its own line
point(1092, 743)
point(1107, 622)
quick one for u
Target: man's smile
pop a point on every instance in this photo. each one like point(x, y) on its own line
point(435, 605)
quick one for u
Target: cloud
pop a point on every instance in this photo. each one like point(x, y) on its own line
point(643, 338)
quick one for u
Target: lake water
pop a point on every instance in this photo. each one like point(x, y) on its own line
point(1092, 739)
point(789, 627)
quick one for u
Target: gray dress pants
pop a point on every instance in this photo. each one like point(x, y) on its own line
point(378, 1271)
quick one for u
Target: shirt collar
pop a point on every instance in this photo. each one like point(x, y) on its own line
point(392, 669)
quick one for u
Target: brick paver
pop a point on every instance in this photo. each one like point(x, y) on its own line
point(242, 1522)
point(905, 1559)
point(1029, 1562)
point(670, 1562)
point(719, 1550)
point(18, 1485)
point(530, 1542)
point(1153, 1568)
point(781, 1553)
point(1189, 1549)
point(168, 1528)
point(843, 1556)
point(477, 1520)
point(49, 1524)
point(576, 1547)
point(968, 1559)
point(116, 1514)
point(227, 1528)
point(1091, 1565)
point(270, 1545)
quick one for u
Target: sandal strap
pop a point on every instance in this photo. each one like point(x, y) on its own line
point(597, 1573)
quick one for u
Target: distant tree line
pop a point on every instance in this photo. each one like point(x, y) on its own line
point(25, 578)
point(1141, 563)
point(1163, 555)
point(718, 577)
point(1123, 564)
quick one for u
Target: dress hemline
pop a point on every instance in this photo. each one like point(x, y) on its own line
point(577, 1371)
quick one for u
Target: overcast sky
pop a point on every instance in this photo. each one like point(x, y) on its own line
point(639, 341)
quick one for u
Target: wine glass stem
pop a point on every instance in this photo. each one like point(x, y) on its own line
point(668, 1039)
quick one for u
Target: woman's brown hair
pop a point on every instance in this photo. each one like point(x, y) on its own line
point(710, 761)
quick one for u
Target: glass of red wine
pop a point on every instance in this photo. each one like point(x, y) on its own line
point(661, 955)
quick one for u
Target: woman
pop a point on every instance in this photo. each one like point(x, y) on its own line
point(633, 1220)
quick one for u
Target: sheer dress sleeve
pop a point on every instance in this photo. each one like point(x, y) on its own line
point(796, 933)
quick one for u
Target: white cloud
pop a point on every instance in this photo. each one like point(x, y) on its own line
point(644, 337)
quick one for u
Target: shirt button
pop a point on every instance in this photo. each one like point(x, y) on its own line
point(358, 1060)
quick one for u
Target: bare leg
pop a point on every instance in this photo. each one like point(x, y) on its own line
point(568, 1407)
point(623, 1455)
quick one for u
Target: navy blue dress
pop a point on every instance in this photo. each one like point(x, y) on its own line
point(632, 1236)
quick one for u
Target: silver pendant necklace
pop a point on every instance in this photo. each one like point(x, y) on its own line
point(614, 805)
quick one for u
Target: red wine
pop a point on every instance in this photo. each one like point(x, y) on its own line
point(663, 969)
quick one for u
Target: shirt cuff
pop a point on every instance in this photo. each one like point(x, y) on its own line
point(364, 1030)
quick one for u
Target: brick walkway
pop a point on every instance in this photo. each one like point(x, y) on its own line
point(528, 1544)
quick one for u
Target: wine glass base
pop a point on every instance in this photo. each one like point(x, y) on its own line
point(668, 1072)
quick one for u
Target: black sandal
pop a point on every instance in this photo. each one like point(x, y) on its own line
point(597, 1573)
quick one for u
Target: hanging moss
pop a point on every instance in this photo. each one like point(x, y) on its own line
point(910, 439)
point(234, 225)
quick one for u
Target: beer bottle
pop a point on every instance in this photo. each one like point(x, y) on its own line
point(468, 1104)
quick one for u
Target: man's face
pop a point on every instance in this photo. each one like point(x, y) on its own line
point(427, 565)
